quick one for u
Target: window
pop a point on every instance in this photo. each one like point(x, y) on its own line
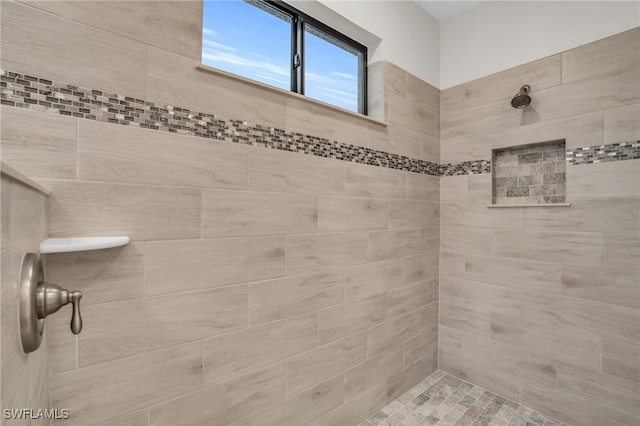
point(278, 45)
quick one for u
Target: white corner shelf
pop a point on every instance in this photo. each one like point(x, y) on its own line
point(64, 245)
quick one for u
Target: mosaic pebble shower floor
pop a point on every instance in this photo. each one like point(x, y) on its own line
point(442, 399)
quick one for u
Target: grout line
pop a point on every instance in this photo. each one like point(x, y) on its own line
point(77, 149)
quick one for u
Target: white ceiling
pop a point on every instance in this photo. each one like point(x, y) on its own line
point(443, 10)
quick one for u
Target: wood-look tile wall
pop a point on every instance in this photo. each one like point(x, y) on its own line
point(24, 377)
point(260, 286)
point(542, 304)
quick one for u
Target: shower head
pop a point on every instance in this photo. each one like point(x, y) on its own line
point(522, 98)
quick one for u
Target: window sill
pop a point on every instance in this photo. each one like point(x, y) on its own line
point(211, 70)
point(500, 206)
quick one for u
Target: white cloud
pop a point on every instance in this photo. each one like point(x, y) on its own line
point(344, 75)
point(217, 56)
point(264, 76)
point(217, 45)
point(210, 33)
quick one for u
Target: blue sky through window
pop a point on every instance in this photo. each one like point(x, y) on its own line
point(243, 39)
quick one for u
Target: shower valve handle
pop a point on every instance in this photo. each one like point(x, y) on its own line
point(51, 297)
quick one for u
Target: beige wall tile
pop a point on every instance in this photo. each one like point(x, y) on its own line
point(320, 364)
point(494, 380)
point(423, 187)
point(351, 214)
point(370, 181)
point(430, 239)
point(479, 187)
point(466, 239)
point(133, 326)
point(285, 297)
point(238, 213)
point(603, 214)
point(622, 250)
point(85, 209)
point(378, 105)
point(611, 285)
point(395, 79)
point(554, 341)
point(385, 245)
point(225, 402)
point(603, 319)
point(517, 362)
point(457, 149)
point(134, 418)
point(323, 121)
point(158, 376)
point(351, 317)
point(578, 131)
point(115, 153)
point(612, 391)
point(397, 140)
point(619, 52)
point(423, 93)
point(548, 246)
point(539, 74)
point(24, 376)
point(480, 119)
point(290, 172)
point(239, 352)
point(476, 214)
point(484, 297)
point(453, 188)
point(431, 145)
point(409, 298)
point(358, 409)
point(451, 264)
point(429, 317)
point(452, 99)
point(516, 273)
point(465, 317)
point(373, 278)
point(304, 407)
point(101, 60)
point(63, 345)
point(622, 124)
point(571, 407)
point(196, 264)
point(621, 359)
point(310, 253)
point(590, 94)
point(173, 80)
point(103, 275)
point(413, 214)
point(422, 267)
point(612, 179)
point(392, 333)
point(173, 26)
point(411, 115)
point(425, 344)
point(39, 145)
point(449, 341)
point(373, 372)
point(409, 377)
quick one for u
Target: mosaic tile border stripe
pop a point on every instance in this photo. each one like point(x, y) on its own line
point(466, 168)
point(604, 153)
point(41, 94)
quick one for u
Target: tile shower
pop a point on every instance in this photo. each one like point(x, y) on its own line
point(295, 265)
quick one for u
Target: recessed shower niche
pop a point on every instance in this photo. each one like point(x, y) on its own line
point(531, 174)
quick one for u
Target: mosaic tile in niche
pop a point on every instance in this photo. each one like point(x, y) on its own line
point(529, 174)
